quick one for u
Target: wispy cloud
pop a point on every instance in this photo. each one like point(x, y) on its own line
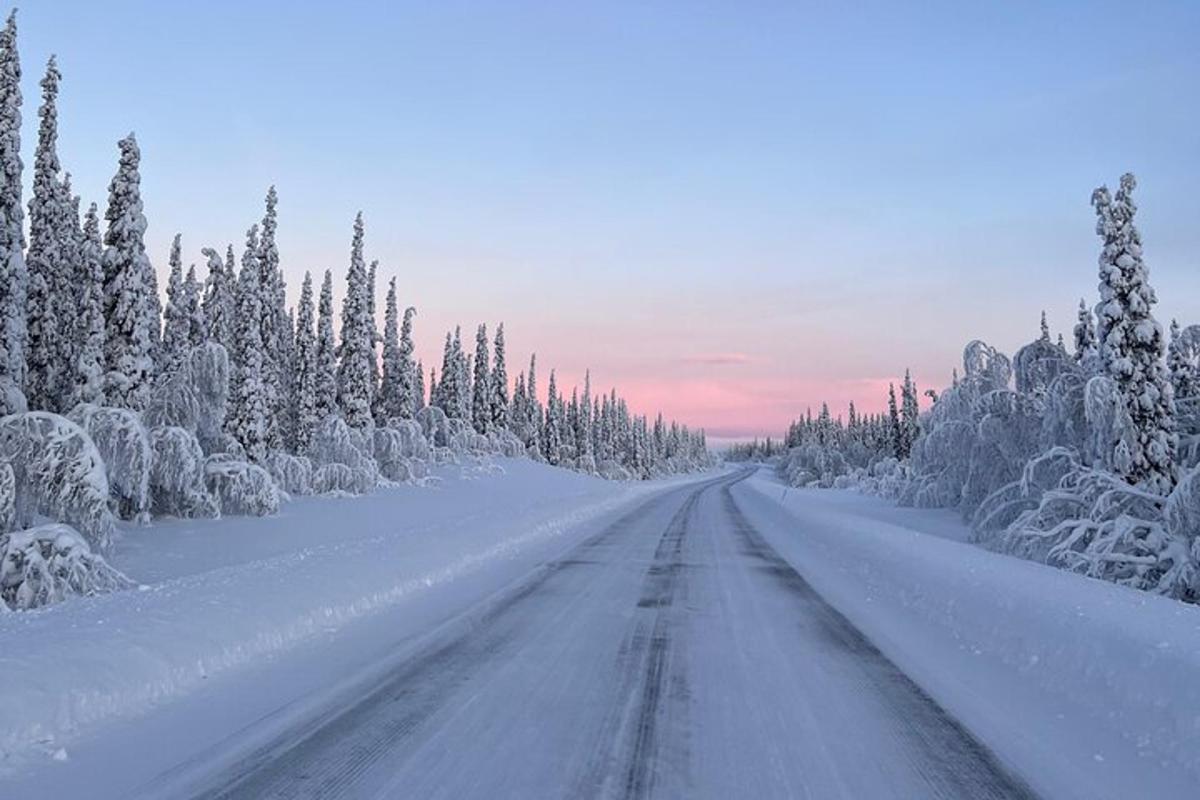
point(718, 358)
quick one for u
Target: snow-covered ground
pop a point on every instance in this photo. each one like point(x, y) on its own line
point(239, 617)
point(523, 629)
point(1089, 689)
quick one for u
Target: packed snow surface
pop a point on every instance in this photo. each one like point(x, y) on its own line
point(525, 632)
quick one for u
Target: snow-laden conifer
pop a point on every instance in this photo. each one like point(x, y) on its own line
point(219, 304)
point(354, 368)
point(389, 401)
point(175, 344)
point(326, 369)
point(247, 419)
point(130, 302)
point(49, 299)
point(13, 275)
point(305, 354)
point(481, 410)
point(88, 374)
point(1132, 346)
point(499, 405)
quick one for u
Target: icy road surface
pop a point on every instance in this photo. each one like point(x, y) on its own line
point(674, 653)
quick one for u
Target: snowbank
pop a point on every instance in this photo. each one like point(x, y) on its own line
point(1088, 689)
point(221, 596)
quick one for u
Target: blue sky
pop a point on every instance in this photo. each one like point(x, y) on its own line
point(734, 210)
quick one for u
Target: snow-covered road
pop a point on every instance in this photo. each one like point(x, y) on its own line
point(673, 653)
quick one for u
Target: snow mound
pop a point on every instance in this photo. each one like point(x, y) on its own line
point(241, 487)
point(124, 444)
point(49, 563)
point(57, 472)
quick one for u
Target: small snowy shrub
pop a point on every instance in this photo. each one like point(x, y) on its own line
point(292, 473)
point(49, 563)
point(58, 473)
point(241, 488)
point(177, 476)
point(124, 444)
point(340, 479)
point(435, 426)
point(334, 442)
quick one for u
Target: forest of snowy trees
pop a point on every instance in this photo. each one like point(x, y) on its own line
point(223, 399)
point(1084, 457)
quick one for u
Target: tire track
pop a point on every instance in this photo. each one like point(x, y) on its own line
point(653, 689)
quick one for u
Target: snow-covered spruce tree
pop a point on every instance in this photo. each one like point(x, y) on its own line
point(552, 430)
point(130, 301)
point(894, 424)
point(175, 345)
point(88, 372)
point(1086, 350)
point(247, 419)
point(411, 383)
point(481, 409)
point(389, 402)
point(1182, 366)
point(275, 327)
point(13, 275)
point(219, 305)
point(499, 385)
point(354, 368)
point(419, 396)
point(446, 396)
point(373, 337)
point(49, 300)
point(585, 458)
point(326, 370)
point(462, 360)
point(1132, 346)
point(305, 356)
point(910, 413)
point(197, 325)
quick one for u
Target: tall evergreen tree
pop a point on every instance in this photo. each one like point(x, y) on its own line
point(418, 386)
point(910, 410)
point(354, 368)
point(219, 305)
point(276, 327)
point(373, 337)
point(13, 275)
point(1086, 349)
point(197, 325)
point(247, 420)
point(446, 395)
point(49, 301)
point(583, 423)
point(131, 320)
point(481, 390)
point(895, 430)
point(88, 371)
point(552, 430)
point(499, 383)
point(305, 352)
point(175, 317)
point(326, 376)
point(411, 387)
point(1132, 346)
point(390, 400)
